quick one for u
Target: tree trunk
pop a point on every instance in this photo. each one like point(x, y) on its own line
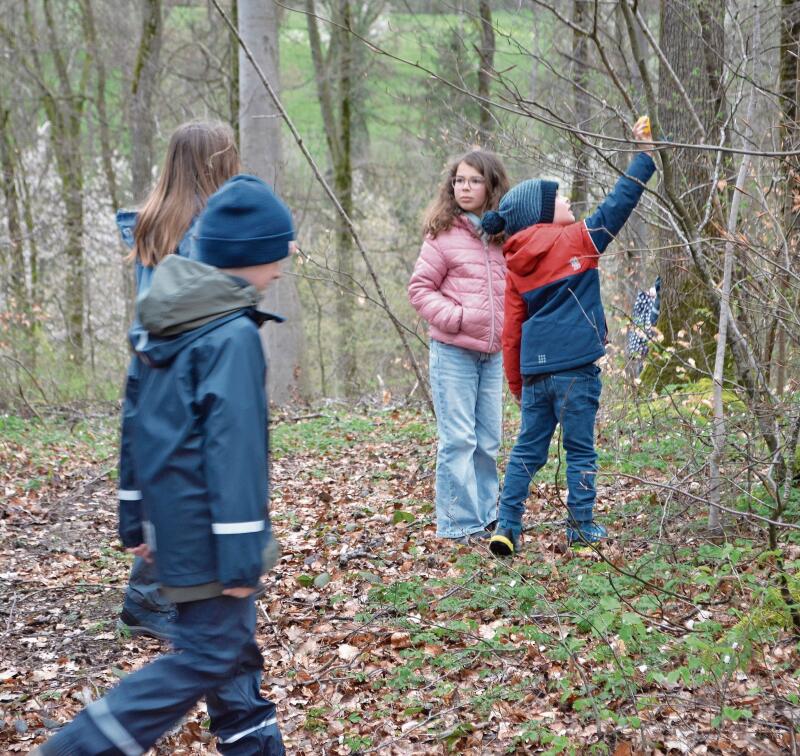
point(234, 105)
point(485, 68)
point(16, 260)
point(336, 104)
point(580, 71)
point(107, 154)
point(687, 315)
point(260, 139)
point(143, 86)
point(343, 182)
point(719, 434)
point(790, 166)
point(65, 111)
point(33, 250)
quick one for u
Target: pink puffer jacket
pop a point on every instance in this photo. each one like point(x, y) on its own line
point(458, 285)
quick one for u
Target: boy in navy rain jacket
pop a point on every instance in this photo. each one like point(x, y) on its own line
point(145, 611)
point(554, 331)
point(199, 445)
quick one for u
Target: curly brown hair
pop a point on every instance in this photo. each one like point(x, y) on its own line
point(443, 210)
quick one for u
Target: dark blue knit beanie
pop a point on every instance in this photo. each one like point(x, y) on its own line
point(244, 224)
point(526, 204)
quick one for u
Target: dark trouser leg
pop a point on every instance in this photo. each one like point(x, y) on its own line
point(215, 644)
point(528, 455)
point(578, 399)
point(143, 589)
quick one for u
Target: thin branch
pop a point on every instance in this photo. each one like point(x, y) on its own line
point(554, 123)
point(331, 195)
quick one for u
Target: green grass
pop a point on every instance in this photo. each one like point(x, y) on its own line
point(334, 432)
point(611, 622)
point(394, 92)
point(51, 438)
point(663, 612)
point(323, 434)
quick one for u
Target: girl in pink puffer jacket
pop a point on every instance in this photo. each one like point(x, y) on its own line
point(457, 287)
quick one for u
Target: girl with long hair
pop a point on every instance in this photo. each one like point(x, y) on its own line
point(200, 158)
point(458, 287)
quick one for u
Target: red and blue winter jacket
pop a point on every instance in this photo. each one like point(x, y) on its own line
point(554, 319)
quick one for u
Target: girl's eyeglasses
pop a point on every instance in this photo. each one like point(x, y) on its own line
point(470, 181)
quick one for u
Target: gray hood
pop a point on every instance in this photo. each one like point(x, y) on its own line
point(186, 294)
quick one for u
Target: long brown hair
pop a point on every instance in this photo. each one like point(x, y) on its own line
point(200, 158)
point(442, 212)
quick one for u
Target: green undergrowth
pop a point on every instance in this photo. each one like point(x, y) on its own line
point(333, 431)
point(604, 643)
point(60, 435)
point(661, 614)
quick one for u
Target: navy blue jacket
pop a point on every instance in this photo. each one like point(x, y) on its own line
point(130, 495)
point(554, 318)
point(199, 428)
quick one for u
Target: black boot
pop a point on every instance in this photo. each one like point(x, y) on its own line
point(504, 542)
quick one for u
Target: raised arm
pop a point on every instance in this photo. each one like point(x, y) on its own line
point(605, 223)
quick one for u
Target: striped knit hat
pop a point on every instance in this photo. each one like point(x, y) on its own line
point(526, 204)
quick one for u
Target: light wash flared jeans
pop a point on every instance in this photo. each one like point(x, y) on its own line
point(467, 391)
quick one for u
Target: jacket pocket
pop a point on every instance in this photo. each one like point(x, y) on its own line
point(550, 343)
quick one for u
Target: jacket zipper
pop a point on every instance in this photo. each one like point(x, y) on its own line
point(491, 293)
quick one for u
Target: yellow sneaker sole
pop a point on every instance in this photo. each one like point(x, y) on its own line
point(501, 546)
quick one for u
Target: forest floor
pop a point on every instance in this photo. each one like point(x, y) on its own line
point(380, 638)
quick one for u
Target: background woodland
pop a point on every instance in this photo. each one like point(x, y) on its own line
point(352, 110)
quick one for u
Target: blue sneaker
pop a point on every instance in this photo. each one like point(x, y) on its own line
point(160, 625)
point(583, 534)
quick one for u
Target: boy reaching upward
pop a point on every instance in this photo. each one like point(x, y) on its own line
point(554, 331)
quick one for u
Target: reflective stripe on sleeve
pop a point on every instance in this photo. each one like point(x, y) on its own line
point(233, 528)
point(149, 534)
point(126, 494)
point(109, 725)
point(245, 733)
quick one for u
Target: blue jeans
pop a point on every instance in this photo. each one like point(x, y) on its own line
point(571, 398)
point(217, 657)
point(467, 391)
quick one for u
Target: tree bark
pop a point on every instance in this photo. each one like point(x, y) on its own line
point(343, 182)
point(580, 70)
point(16, 259)
point(107, 154)
point(485, 68)
point(143, 86)
point(686, 319)
point(789, 62)
point(65, 108)
point(234, 105)
point(336, 104)
point(260, 139)
point(719, 435)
